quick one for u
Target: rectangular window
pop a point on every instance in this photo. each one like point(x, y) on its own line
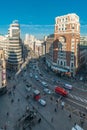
point(72, 65)
point(62, 28)
point(58, 62)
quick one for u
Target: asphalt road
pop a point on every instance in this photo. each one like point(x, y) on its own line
point(51, 119)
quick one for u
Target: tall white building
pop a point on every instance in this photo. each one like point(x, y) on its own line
point(29, 40)
point(34, 44)
point(14, 29)
point(14, 47)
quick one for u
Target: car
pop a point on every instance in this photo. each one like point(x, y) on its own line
point(67, 86)
point(61, 91)
point(42, 102)
point(36, 95)
point(36, 77)
point(48, 91)
point(31, 75)
point(54, 80)
point(44, 84)
point(77, 127)
point(81, 78)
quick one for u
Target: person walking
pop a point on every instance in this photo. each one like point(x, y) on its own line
point(62, 105)
point(70, 116)
point(39, 120)
point(7, 113)
point(52, 119)
point(55, 110)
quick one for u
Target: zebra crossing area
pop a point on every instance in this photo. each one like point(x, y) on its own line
point(76, 106)
point(77, 98)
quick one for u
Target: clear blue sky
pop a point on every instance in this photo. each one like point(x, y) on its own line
point(37, 17)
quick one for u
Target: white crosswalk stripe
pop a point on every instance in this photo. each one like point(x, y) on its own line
point(78, 98)
point(85, 100)
point(81, 99)
point(71, 95)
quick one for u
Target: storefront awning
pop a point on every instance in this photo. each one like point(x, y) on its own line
point(59, 69)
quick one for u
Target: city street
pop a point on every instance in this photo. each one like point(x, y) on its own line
point(17, 108)
point(52, 115)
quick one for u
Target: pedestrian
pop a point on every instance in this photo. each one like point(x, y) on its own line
point(62, 104)
point(55, 110)
point(52, 119)
point(14, 87)
point(12, 100)
point(9, 93)
point(13, 93)
point(5, 127)
point(33, 108)
point(74, 124)
point(70, 116)
point(18, 99)
point(39, 120)
point(27, 109)
point(7, 113)
point(51, 98)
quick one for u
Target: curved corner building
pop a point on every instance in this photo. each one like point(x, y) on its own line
point(14, 47)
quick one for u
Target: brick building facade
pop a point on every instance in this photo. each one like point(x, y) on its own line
point(66, 44)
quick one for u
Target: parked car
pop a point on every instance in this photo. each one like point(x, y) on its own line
point(67, 86)
point(61, 91)
point(42, 102)
point(44, 84)
point(48, 91)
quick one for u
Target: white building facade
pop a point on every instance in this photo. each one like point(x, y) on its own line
point(14, 47)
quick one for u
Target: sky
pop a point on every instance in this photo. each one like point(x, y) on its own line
point(37, 17)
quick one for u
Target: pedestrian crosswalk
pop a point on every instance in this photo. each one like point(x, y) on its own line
point(81, 99)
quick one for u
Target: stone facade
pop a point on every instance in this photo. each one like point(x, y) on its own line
point(2, 70)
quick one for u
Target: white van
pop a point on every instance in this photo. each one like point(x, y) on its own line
point(77, 127)
point(68, 86)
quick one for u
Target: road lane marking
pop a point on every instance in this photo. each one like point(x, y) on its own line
point(81, 99)
point(78, 98)
point(85, 100)
point(76, 103)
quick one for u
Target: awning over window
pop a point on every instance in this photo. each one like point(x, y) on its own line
point(59, 69)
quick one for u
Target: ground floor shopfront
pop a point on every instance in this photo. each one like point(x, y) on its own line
point(62, 71)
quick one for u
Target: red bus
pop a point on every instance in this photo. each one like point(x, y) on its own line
point(61, 91)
